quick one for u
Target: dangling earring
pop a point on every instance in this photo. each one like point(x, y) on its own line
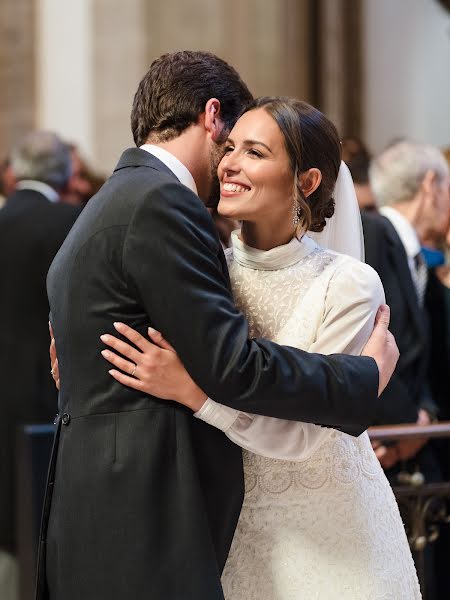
point(297, 214)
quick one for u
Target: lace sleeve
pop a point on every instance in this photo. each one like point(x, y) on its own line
point(354, 294)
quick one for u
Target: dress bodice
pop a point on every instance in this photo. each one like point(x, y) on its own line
point(271, 287)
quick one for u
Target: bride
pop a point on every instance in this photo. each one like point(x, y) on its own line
point(319, 519)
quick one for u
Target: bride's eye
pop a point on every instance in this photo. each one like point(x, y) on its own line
point(227, 150)
point(255, 153)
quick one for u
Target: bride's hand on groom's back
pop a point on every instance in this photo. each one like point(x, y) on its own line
point(53, 358)
point(382, 347)
point(151, 366)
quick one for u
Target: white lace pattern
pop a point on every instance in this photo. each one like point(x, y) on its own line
point(326, 527)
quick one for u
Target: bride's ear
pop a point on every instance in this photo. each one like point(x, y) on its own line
point(310, 181)
point(213, 119)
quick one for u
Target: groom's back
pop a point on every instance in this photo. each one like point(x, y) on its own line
point(126, 508)
point(89, 290)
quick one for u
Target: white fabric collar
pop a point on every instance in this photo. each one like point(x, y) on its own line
point(39, 186)
point(172, 163)
point(277, 258)
point(405, 230)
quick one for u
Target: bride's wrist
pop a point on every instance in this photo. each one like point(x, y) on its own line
point(196, 400)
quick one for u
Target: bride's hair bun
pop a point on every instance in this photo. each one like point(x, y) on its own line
point(311, 141)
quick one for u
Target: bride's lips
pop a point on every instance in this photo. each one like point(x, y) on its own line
point(229, 189)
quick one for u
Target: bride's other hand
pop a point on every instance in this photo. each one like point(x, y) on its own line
point(152, 367)
point(53, 358)
point(382, 347)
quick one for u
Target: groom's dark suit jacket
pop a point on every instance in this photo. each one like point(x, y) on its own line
point(142, 498)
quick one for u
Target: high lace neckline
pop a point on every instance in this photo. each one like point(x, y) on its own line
point(280, 257)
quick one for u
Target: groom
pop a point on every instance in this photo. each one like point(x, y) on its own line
point(142, 499)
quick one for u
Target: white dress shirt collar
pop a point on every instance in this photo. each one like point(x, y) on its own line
point(405, 230)
point(39, 186)
point(172, 163)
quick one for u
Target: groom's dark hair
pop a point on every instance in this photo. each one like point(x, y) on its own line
point(174, 92)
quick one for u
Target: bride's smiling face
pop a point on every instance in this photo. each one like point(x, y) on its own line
point(256, 179)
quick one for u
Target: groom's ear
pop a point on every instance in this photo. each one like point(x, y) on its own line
point(213, 119)
point(310, 181)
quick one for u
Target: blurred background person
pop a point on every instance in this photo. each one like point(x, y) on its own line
point(33, 225)
point(411, 185)
point(83, 182)
point(436, 252)
point(357, 157)
point(7, 181)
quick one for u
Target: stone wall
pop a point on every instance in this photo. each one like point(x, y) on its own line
point(17, 71)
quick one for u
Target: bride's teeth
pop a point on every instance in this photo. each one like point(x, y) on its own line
point(233, 187)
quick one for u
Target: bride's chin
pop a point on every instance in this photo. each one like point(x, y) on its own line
point(227, 211)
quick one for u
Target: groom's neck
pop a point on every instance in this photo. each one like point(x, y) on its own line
point(192, 149)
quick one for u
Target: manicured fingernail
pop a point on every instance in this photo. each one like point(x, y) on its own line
point(151, 330)
point(118, 325)
point(104, 337)
point(105, 353)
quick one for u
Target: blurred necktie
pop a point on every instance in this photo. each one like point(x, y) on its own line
point(420, 276)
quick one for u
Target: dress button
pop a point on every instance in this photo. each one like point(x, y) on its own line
point(65, 420)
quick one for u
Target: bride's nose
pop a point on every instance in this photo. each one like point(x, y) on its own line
point(230, 163)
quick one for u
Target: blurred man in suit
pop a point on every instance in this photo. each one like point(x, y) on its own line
point(411, 184)
point(33, 225)
point(357, 158)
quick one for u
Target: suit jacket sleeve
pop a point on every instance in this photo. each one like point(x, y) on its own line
point(171, 258)
point(353, 297)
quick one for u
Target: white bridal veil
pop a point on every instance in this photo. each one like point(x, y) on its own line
point(343, 232)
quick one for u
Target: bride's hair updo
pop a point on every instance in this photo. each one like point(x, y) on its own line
point(311, 142)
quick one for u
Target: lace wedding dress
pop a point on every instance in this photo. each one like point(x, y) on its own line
point(319, 519)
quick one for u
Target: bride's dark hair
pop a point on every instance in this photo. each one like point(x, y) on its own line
point(311, 141)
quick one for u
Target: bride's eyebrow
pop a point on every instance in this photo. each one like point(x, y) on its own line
point(250, 143)
point(256, 143)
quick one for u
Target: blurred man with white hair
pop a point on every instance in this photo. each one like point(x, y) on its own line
point(410, 182)
point(33, 226)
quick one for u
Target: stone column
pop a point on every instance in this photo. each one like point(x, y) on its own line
point(64, 70)
point(338, 73)
point(17, 76)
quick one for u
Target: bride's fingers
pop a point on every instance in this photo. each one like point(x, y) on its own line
point(55, 370)
point(158, 339)
point(136, 338)
point(131, 382)
point(120, 363)
point(52, 350)
point(122, 347)
point(50, 328)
